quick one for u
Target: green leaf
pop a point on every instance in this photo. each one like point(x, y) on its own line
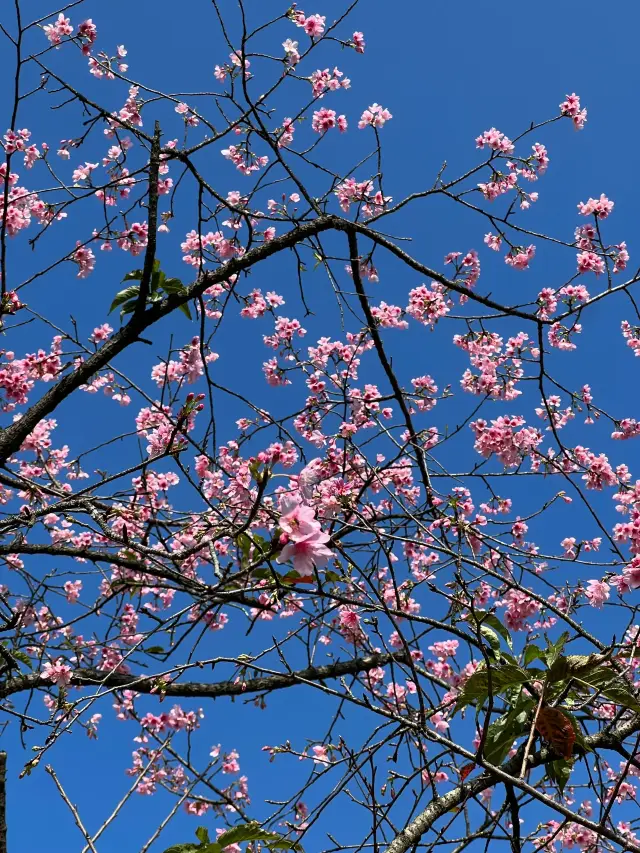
point(611, 685)
point(492, 621)
point(173, 285)
point(125, 295)
point(184, 848)
point(254, 832)
point(531, 653)
point(476, 688)
point(506, 729)
point(500, 737)
point(244, 544)
point(580, 738)
point(155, 650)
point(558, 671)
point(202, 834)
point(492, 638)
point(263, 574)
point(559, 772)
point(185, 310)
point(134, 275)
point(580, 664)
point(555, 649)
point(24, 658)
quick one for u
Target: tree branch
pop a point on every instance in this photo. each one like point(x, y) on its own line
point(204, 690)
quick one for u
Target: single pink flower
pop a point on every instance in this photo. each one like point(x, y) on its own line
point(299, 521)
point(307, 552)
point(57, 672)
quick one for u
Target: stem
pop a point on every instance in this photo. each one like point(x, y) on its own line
point(3, 802)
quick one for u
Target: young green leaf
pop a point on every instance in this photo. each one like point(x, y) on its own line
point(173, 285)
point(609, 684)
point(500, 737)
point(492, 638)
point(476, 687)
point(559, 772)
point(125, 295)
point(554, 650)
point(202, 834)
point(24, 658)
point(531, 653)
point(254, 832)
point(492, 621)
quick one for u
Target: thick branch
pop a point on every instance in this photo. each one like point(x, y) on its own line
point(421, 824)
point(12, 437)
point(203, 690)
point(386, 366)
point(210, 594)
point(3, 802)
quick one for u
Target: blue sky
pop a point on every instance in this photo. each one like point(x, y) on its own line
point(447, 71)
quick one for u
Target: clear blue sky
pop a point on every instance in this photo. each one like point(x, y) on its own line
point(447, 71)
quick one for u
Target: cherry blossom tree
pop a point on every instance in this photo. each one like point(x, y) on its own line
point(206, 503)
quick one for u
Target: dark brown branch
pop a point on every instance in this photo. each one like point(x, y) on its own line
point(386, 366)
point(203, 690)
point(3, 802)
point(12, 437)
point(413, 832)
point(207, 594)
point(152, 230)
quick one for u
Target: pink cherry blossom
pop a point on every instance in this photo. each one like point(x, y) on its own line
point(601, 208)
point(61, 27)
point(597, 592)
point(57, 672)
point(374, 116)
point(572, 108)
point(495, 140)
point(307, 552)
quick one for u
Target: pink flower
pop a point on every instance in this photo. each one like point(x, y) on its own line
point(571, 107)
point(230, 763)
point(519, 258)
point(306, 552)
point(438, 722)
point(61, 27)
point(493, 241)
point(323, 120)
point(630, 578)
point(85, 259)
point(88, 32)
point(601, 207)
point(495, 140)
point(82, 173)
point(320, 754)
point(358, 42)
point(291, 51)
point(73, 590)
point(313, 25)
point(597, 592)
point(57, 672)
point(350, 619)
point(298, 520)
point(375, 116)
point(590, 262)
point(101, 333)
point(621, 256)
point(559, 336)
